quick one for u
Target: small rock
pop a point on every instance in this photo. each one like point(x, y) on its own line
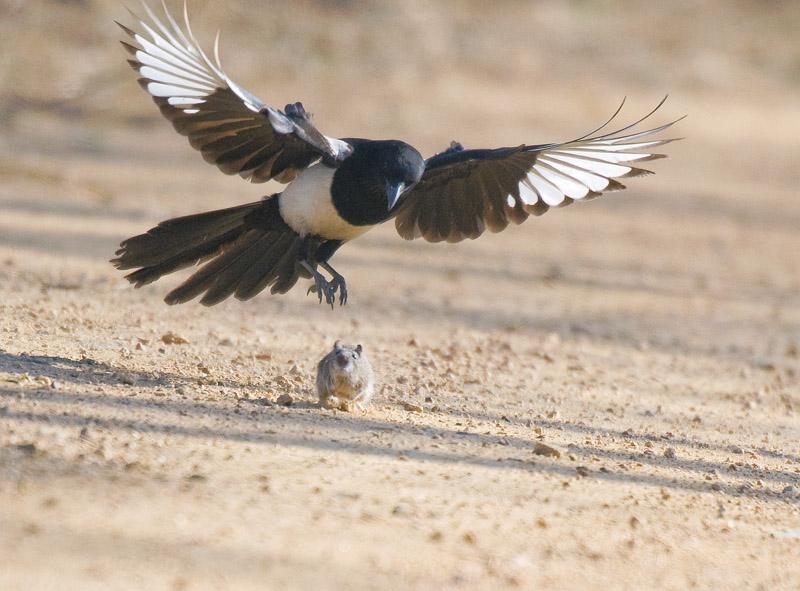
point(401, 510)
point(170, 338)
point(582, 471)
point(27, 449)
point(469, 538)
point(737, 449)
point(411, 407)
point(766, 365)
point(787, 533)
point(285, 400)
point(44, 381)
point(542, 449)
point(436, 536)
point(788, 490)
point(669, 453)
point(49, 502)
point(541, 523)
point(716, 486)
point(634, 522)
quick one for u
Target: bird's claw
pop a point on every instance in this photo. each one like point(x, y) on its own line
point(323, 288)
point(338, 283)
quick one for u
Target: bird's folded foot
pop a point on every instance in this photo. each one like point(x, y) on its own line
point(321, 286)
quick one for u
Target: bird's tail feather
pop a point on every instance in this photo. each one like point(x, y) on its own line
point(248, 248)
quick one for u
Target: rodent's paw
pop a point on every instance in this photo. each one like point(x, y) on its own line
point(363, 400)
point(330, 402)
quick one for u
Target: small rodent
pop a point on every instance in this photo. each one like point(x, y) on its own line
point(345, 379)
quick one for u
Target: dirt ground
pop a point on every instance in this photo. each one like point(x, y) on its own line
point(651, 337)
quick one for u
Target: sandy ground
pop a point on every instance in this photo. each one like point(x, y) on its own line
point(652, 337)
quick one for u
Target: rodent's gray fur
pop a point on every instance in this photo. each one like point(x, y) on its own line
point(345, 379)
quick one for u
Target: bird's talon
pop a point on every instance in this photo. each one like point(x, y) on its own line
point(320, 287)
point(330, 295)
point(339, 284)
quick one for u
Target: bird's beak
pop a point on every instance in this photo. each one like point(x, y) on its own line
point(393, 192)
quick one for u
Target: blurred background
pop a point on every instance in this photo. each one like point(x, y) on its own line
point(81, 143)
point(427, 72)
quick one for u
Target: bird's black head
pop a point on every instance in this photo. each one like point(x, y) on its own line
point(372, 180)
point(402, 167)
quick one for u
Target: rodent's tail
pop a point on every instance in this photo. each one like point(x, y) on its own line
point(248, 248)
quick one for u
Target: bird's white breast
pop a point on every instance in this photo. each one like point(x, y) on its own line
point(307, 207)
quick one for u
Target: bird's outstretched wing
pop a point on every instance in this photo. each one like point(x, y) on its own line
point(232, 128)
point(464, 192)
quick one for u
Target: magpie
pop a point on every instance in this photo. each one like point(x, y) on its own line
point(338, 189)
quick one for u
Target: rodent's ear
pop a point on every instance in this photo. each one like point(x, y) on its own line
point(358, 349)
point(338, 344)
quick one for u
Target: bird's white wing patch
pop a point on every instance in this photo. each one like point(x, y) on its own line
point(342, 148)
point(175, 67)
point(585, 168)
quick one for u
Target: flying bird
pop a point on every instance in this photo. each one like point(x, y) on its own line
point(337, 189)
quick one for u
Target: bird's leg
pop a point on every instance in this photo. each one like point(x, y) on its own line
point(322, 287)
point(337, 282)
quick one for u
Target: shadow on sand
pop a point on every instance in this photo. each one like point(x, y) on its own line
point(254, 422)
